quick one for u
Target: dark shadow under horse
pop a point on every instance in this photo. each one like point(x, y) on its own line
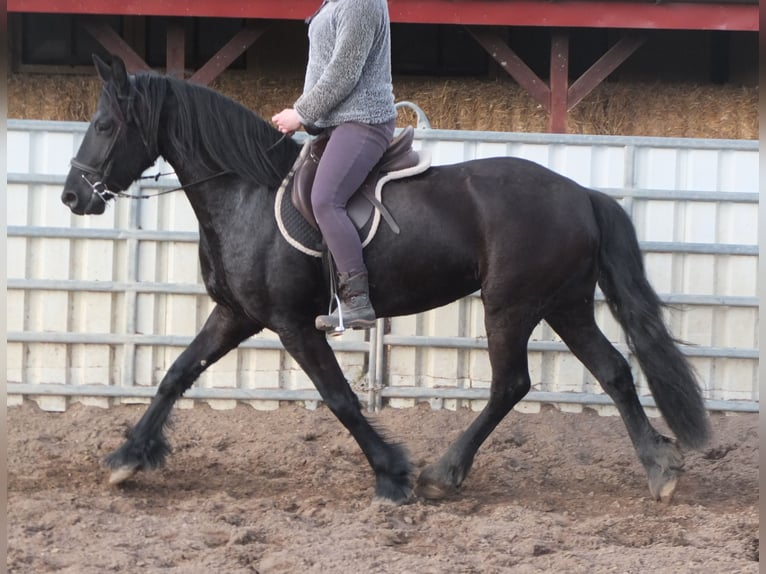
point(534, 242)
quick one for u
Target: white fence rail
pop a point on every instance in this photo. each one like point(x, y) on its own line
point(99, 307)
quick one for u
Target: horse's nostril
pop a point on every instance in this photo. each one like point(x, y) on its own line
point(69, 198)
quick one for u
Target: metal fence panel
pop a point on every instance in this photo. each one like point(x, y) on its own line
point(101, 306)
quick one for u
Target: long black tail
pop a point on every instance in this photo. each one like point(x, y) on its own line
point(639, 311)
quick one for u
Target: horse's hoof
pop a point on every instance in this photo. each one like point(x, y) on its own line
point(432, 491)
point(663, 492)
point(431, 483)
point(383, 501)
point(393, 492)
point(122, 474)
point(667, 465)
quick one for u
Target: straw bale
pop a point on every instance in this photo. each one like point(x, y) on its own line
point(60, 97)
point(613, 108)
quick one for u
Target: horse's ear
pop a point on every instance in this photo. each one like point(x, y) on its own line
point(114, 71)
point(120, 75)
point(103, 69)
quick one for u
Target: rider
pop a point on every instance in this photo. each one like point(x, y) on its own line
point(348, 93)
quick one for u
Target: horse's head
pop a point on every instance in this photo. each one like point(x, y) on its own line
point(114, 152)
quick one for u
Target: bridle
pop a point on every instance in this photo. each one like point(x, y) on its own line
point(104, 169)
point(102, 172)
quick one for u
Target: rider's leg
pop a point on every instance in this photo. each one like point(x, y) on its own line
point(352, 151)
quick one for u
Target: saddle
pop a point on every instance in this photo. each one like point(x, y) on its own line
point(398, 161)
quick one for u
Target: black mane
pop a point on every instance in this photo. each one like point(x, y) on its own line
point(225, 134)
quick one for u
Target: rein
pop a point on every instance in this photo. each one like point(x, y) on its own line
point(179, 188)
point(105, 194)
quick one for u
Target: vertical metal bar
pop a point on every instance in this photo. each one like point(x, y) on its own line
point(372, 368)
point(380, 363)
point(629, 185)
point(131, 297)
point(629, 181)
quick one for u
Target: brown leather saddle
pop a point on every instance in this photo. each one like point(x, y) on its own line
point(361, 207)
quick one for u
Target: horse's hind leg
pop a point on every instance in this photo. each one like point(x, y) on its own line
point(507, 333)
point(659, 455)
point(146, 446)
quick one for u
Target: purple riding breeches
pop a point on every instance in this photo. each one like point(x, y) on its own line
point(352, 151)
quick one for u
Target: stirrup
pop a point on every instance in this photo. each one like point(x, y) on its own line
point(337, 331)
point(329, 325)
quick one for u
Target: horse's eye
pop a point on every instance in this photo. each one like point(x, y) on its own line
point(103, 125)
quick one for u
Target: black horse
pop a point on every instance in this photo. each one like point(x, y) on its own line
point(534, 242)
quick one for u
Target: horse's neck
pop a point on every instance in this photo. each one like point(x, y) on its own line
point(218, 199)
point(215, 195)
point(193, 173)
point(187, 169)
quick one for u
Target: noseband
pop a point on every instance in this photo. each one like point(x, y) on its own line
point(101, 173)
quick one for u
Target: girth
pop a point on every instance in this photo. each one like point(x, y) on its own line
point(399, 156)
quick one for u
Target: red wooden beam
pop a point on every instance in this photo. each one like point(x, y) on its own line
point(604, 66)
point(112, 41)
point(579, 14)
point(562, 13)
point(559, 97)
point(233, 49)
point(496, 47)
point(557, 119)
point(276, 9)
point(175, 49)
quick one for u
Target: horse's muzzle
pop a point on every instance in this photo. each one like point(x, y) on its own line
point(94, 205)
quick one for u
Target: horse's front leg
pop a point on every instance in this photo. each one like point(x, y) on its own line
point(389, 461)
point(146, 446)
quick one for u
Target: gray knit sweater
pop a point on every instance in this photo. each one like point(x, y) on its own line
point(348, 77)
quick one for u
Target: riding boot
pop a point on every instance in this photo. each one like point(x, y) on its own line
point(355, 310)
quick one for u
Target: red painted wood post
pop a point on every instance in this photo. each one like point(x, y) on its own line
point(175, 48)
point(557, 121)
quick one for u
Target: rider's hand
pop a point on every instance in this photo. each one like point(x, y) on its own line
point(287, 121)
